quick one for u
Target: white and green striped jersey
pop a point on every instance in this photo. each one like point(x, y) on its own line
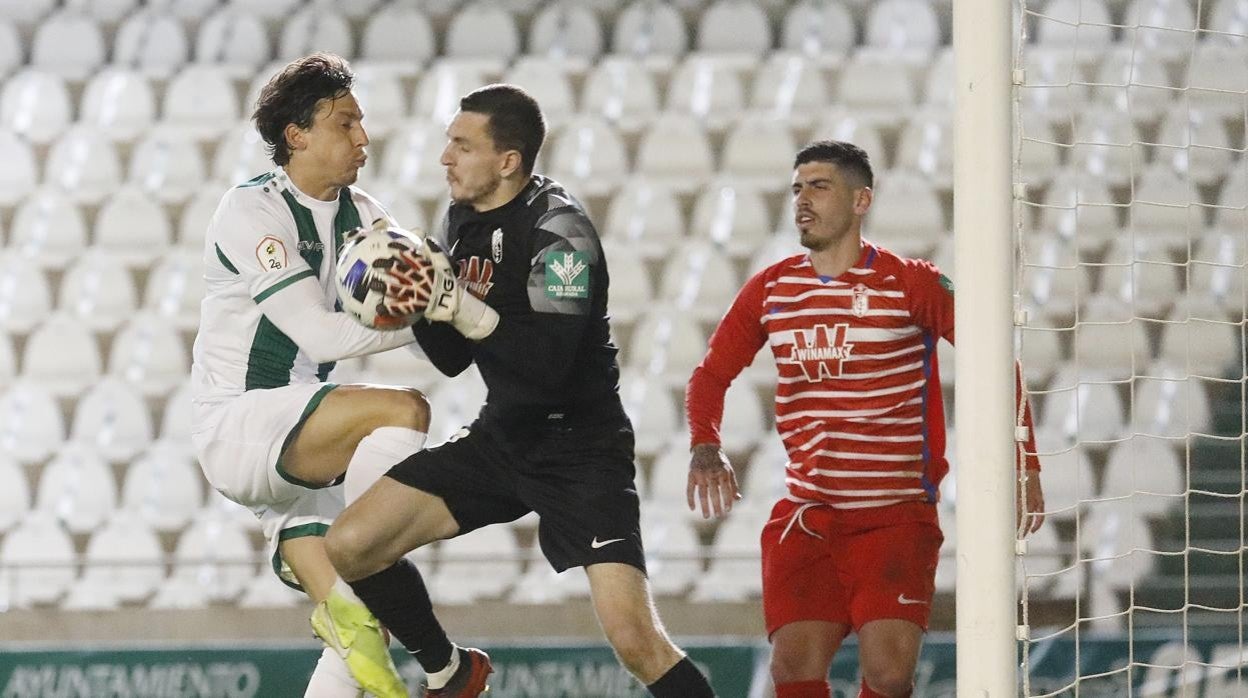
point(265, 236)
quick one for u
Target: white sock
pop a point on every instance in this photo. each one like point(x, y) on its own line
point(438, 679)
point(377, 453)
point(332, 678)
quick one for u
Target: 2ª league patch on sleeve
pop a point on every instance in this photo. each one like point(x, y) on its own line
point(567, 275)
point(271, 253)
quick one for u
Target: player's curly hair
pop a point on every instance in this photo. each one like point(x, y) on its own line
point(292, 96)
point(851, 160)
point(516, 121)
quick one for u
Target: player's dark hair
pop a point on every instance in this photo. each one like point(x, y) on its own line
point(292, 96)
point(851, 160)
point(515, 120)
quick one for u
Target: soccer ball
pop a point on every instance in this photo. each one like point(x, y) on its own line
point(360, 275)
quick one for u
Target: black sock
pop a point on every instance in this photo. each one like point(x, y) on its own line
point(682, 681)
point(398, 597)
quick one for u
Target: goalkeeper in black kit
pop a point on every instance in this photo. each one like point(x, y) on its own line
point(516, 283)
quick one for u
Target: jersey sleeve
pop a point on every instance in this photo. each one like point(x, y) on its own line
point(564, 271)
point(931, 297)
point(732, 347)
point(257, 244)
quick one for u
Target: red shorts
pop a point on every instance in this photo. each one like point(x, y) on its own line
point(870, 564)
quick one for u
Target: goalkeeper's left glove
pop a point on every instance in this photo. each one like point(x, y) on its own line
point(451, 302)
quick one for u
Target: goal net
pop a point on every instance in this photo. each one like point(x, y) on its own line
point(1131, 184)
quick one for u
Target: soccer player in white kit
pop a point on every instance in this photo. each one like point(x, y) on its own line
point(269, 431)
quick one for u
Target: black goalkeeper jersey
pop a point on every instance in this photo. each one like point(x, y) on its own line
point(537, 261)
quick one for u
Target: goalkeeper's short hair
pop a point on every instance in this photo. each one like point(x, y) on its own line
point(851, 160)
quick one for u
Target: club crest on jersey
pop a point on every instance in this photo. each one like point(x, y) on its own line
point(496, 245)
point(271, 253)
point(821, 351)
point(860, 305)
point(475, 274)
point(567, 275)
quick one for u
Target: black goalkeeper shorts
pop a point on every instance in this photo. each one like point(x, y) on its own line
point(579, 479)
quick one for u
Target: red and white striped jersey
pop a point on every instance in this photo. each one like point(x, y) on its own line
point(858, 402)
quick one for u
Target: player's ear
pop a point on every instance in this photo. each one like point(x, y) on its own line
point(512, 163)
point(862, 200)
point(296, 138)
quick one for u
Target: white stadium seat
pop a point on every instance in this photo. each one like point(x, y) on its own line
point(266, 590)
point(566, 31)
point(1195, 144)
point(673, 554)
point(905, 29)
point(123, 561)
point(735, 573)
point(48, 230)
point(905, 215)
point(167, 165)
point(1106, 144)
point(644, 217)
point(791, 88)
point(68, 43)
point(148, 353)
point(10, 48)
point(26, 12)
point(380, 95)
point(1160, 27)
point(20, 174)
point(734, 27)
point(1110, 338)
point(411, 159)
point(214, 554)
point(14, 493)
point(758, 153)
point(731, 216)
point(84, 164)
point(632, 291)
point(397, 38)
point(1169, 403)
point(37, 563)
point(708, 90)
point(820, 29)
point(699, 278)
point(240, 155)
point(175, 287)
point(132, 227)
point(440, 88)
point(1199, 340)
point(482, 564)
point(667, 343)
point(483, 33)
point(25, 297)
point(876, 87)
point(152, 42)
point(193, 225)
point(175, 423)
point(1084, 25)
point(546, 79)
point(675, 152)
point(1141, 275)
point(200, 101)
point(649, 405)
point(31, 425)
point(234, 40)
point(927, 147)
point(1162, 208)
point(1135, 81)
point(120, 103)
point(650, 31)
point(312, 28)
point(62, 355)
point(113, 420)
point(97, 291)
point(77, 487)
point(589, 157)
point(163, 487)
point(621, 90)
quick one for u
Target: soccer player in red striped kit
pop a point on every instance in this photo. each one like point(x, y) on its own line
point(853, 327)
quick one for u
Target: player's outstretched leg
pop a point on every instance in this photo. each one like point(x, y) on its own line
point(346, 626)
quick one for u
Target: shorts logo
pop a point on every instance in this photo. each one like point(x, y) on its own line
point(271, 253)
point(901, 599)
point(567, 275)
point(595, 544)
point(860, 305)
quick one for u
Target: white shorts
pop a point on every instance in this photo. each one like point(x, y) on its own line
point(239, 445)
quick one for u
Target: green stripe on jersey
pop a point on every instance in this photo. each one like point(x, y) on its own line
point(225, 260)
point(283, 284)
point(271, 358)
point(259, 179)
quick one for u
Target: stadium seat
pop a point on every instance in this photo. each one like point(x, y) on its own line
point(1134, 81)
point(668, 342)
point(699, 278)
point(175, 422)
point(97, 291)
point(77, 487)
point(214, 554)
point(1083, 404)
point(1079, 207)
point(84, 164)
point(1141, 275)
point(546, 79)
point(35, 105)
point(397, 38)
point(411, 159)
point(673, 554)
point(762, 484)
point(589, 157)
point(1169, 403)
point(650, 32)
point(312, 28)
point(1066, 474)
point(119, 102)
point(482, 564)
point(381, 96)
point(735, 218)
point(193, 225)
point(153, 42)
point(186, 9)
point(1055, 86)
point(167, 164)
point(112, 420)
point(484, 34)
point(1110, 338)
point(620, 90)
point(902, 29)
point(669, 478)
point(1148, 472)
point(736, 29)
point(31, 425)
point(402, 366)
point(1230, 17)
point(735, 572)
point(1040, 353)
point(632, 291)
point(708, 90)
point(651, 408)
point(1232, 200)
point(233, 40)
point(123, 561)
point(266, 590)
point(148, 353)
point(240, 155)
point(568, 32)
point(26, 12)
point(10, 48)
point(1039, 153)
point(37, 563)
point(844, 125)
point(938, 81)
point(877, 88)
point(270, 10)
point(926, 147)
point(62, 355)
point(68, 43)
point(439, 90)
point(175, 287)
point(131, 227)
point(1159, 27)
point(758, 153)
point(675, 153)
point(14, 493)
point(1106, 145)
point(905, 215)
point(163, 486)
point(1216, 269)
point(180, 593)
point(1194, 144)
point(1083, 25)
point(1217, 77)
point(1165, 207)
point(25, 298)
point(216, 504)
point(8, 360)
point(1199, 340)
point(820, 29)
point(540, 584)
point(790, 88)
point(109, 12)
point(200, 102)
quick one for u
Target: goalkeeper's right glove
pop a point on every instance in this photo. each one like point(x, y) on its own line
point(451, 302)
